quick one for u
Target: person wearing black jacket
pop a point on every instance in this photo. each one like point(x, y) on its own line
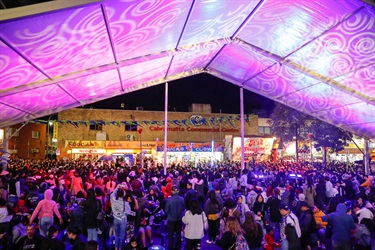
point(228, 240)
point(51, 241)
point(189, 195)
point(253, 231)
point(77, 239)
point(31, 241)
point(272, 206)
point(174, 209)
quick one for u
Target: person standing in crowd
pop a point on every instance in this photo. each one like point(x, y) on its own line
point(120, 209)
point(51, 242)
point(320, 226)
point(242, 208)
point(342, 227)
point(234, 230)
point(253, 231)
point(289, 226)
point(91, 213)
point(190, 194)
point(76, 184)
point(329, 189)
point(308, 226)
point(195, 221)
point(76, 238)
point(309, 192)
point(243, 181)
point(272, 206)
point(212, 209)
point(45, 210)
point(19, 230)
point(259, 209)
point(174, 208)
point(32, 240)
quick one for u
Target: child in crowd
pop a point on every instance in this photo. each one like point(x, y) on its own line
point(270, 240)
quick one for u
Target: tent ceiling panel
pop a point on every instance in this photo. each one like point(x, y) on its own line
point(240, 62)
point(211, 20)
point(195, 59)
point(61, 42)
point(15, 70)
point(317, 56)
point(37, 100)
point(281, 27)
point(355, 80)
point(144, 74)
point(92, 87)
point(345, 48)
point(140, 28)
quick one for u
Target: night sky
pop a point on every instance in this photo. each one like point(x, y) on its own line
point(202, 88)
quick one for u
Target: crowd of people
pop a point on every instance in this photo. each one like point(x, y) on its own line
point(82, 204)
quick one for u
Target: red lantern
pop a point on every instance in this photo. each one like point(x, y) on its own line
point(140, 130)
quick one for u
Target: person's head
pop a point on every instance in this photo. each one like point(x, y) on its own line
point(239, 199)
point(25, 220)
point(120, 194)
point(317, 209)
point(133, 241)
point(189, 185)
point(151, 192)
point(175, 190)
point(304, 206)
point(270, 230)
point(30, 230)
point(92, 245)
point(284, 209)
point(53, 231)
point(249, 218)
point(260, 198)
point(73, 232)
point(194, 206)
point(233, 225)
point(276, 191)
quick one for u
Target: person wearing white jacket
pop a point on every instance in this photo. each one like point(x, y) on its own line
point(120, 209)
point(195, 221)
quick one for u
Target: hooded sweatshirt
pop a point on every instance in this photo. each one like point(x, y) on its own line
point(342, 223)
point(46, 207)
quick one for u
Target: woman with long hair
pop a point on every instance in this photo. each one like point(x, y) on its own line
point(120, 208)
point(223, 221)
point(228, 241)
point(91, 213)
point(259, 210)
point(253, 232)
point(309, 192)
point(195, 221)
point(212, 209)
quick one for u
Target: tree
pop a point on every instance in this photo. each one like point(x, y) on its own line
point(329, 136)
point(287, 124)
point(290, 124)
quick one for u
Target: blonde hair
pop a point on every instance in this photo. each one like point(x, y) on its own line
point(233, 225)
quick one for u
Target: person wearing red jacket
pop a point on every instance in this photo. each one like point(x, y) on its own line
point(270, 240)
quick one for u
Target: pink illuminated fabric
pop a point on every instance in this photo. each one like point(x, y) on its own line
point(316, 56)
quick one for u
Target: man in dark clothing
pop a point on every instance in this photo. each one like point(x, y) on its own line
point(272, 206)
point(342, 227)
point(332, 205)
point(190, 194)
point(174, 209)
point(31, 241)
point(77, 239)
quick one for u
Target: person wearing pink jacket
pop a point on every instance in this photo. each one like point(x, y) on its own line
point(44, 210)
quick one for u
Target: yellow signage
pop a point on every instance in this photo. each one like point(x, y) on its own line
point(84, 144)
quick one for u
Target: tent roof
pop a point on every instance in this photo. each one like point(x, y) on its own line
point(316, 56)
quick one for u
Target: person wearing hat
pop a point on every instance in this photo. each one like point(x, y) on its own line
point(290, 231)
point(174, 209)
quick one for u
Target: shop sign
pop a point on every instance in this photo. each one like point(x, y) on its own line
point(83, 144)
point(129, 144)
point(88, 151)
point(252, 146)
point(190, 147)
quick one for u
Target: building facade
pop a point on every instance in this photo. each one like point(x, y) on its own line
point(94, 132)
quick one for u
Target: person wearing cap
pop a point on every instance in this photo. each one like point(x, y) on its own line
point(290, 230)
point(174, 209)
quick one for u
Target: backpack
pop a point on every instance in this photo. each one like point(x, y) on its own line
point(241, 243)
